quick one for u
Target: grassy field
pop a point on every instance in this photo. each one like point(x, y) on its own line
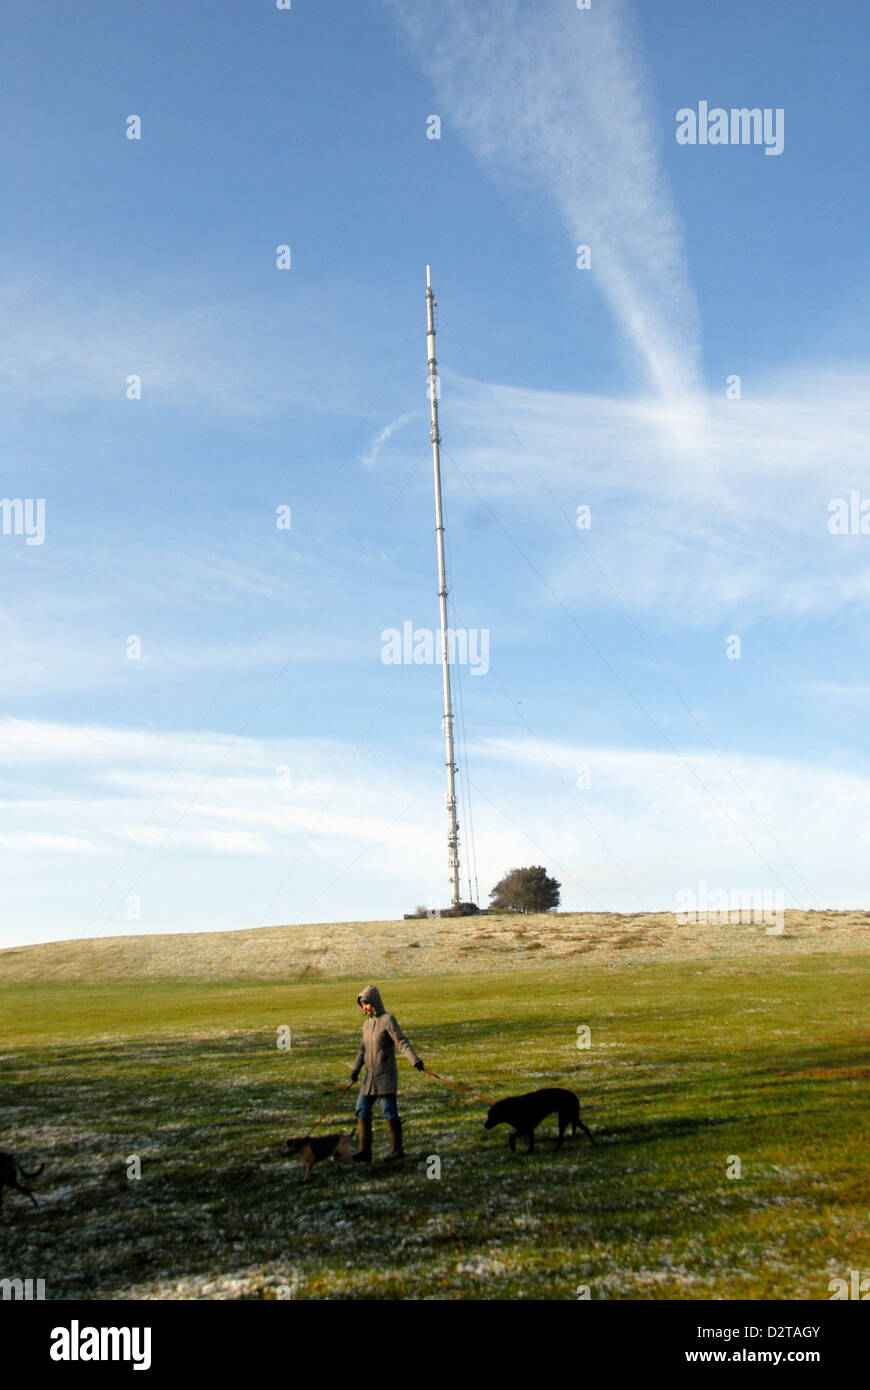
point(760, 1055)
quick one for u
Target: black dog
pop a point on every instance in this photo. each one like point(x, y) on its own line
point(10, 1168)
point(525, 1112)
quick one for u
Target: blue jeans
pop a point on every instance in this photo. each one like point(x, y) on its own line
point(389, 1109)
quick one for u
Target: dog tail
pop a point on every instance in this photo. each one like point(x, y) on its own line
point(24, 1173)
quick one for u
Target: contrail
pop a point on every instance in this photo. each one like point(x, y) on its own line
point(558, 98)
point(380, 440)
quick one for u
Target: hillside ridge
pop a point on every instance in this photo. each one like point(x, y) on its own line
point(423, 946)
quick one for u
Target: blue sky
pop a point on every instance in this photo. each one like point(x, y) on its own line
point(259, 762)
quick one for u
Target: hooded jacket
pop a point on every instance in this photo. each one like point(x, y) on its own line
point(377, 1051)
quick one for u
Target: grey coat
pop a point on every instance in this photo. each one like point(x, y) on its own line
point(377, 1051)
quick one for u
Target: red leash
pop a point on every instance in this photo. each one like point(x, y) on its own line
point(332, 1106)
point(456, 1087)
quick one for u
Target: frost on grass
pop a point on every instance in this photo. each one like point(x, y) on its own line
point(482, 1267)
point(265, 1282)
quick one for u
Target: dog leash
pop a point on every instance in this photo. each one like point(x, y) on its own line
point(457, 1087)
point(331, 1107)
point(274, 1119)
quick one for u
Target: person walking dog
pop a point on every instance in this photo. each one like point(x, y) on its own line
point(377, 1053)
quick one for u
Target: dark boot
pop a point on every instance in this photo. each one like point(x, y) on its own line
point(364, 1153)
point(396, 1150)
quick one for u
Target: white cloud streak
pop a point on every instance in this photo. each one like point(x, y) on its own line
point(557, 99)
point(77, 798)
point(737, 524)
point(68, 346)
point(369, 458)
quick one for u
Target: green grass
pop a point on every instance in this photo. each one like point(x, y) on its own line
point(689, 1064)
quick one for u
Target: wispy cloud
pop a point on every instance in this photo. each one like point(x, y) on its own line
point(370, 456)
point(558, 99)
point(266, 836)
point(68, 345)
point(737, 525)
point(672, 821)
point(830, 690)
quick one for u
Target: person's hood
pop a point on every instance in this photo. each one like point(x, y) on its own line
point(372, 995)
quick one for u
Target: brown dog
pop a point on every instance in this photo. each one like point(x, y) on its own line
point(10, 1171)
point(311, 1150)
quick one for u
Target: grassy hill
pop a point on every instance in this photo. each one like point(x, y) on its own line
point(708, 1044)
point(440, 946)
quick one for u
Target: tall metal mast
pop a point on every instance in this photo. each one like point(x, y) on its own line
point(453, 824)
